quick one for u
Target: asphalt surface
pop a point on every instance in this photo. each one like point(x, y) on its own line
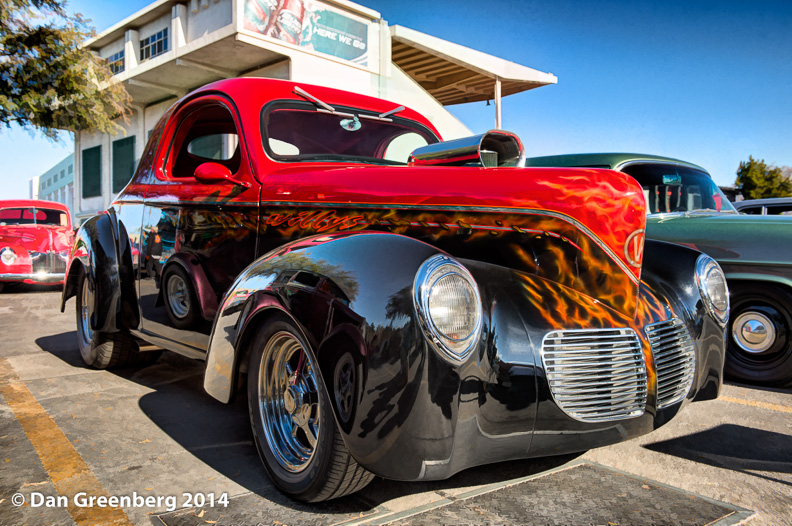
point(67, 430)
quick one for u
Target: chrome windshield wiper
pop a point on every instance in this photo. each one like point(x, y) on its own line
point(302, 93)
point(394, 111)
point(326, 108)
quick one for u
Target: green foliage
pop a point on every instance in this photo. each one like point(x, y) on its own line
point(47, 79)
point(757, 180)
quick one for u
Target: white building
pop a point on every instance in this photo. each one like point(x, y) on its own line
point(170, 48)
point(56, 184)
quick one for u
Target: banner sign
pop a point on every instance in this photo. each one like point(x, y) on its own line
point(311, 25)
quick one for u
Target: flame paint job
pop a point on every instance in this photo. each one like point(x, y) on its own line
point(609, 205)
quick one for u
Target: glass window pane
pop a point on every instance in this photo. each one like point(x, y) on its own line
point(123, 162)
point(92, 172)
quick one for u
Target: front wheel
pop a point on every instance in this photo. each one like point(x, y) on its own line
point(296, 433)
point(103, 350)
point(760, 334)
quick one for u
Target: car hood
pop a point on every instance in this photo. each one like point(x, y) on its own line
point(728, 237)
point(37, 238)
point(605, 208)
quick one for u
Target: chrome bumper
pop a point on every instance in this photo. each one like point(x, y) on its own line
point(39, 277)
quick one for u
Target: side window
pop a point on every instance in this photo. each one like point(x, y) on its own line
point(400, 148)
point(217, 147)
point(784, 210)
point(207, 134)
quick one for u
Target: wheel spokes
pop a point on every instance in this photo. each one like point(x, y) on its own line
point(289, 401)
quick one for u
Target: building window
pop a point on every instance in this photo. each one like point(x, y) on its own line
point(92, 172)
point(116, 62)
point(71, 169)
point(156, 44)
point(123, 162)
point(63, 174)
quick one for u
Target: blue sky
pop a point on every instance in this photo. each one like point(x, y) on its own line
point(704, 81)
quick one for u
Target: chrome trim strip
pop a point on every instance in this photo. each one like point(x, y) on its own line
point(42, 277)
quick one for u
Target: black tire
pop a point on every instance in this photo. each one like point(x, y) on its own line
point(286, 392)
point(750, 357)
point(102, 350)
point(180, 299)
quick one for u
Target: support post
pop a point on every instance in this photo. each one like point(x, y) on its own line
point(497, 103)
point(131, 49)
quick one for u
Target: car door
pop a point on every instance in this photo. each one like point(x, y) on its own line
point(198, 234)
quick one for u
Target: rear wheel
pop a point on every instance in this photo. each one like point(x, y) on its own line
point(103, 350)
point(180, 299)
point(296, 434)
point(760, 334)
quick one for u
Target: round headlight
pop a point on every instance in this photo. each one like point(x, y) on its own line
point(447, 301)
point(712, 285)
point(7, 256)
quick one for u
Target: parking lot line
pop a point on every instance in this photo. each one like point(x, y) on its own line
point(67, 470)
point(756, 403)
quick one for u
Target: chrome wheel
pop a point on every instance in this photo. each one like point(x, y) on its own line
point(760, 334)
point(288, 395)
point(86, 308)
point(178, 296)
point(754, 332)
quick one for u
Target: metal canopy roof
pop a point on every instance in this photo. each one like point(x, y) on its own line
point(455, 74)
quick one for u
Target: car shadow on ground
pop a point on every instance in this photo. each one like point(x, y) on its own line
point(787, 388)
point(734, 447)
point(219, 435)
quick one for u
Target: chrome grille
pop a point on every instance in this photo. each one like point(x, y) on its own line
point(47, 262)
point(596, 374)
point(675, 360)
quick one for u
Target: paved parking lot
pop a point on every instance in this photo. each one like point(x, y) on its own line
point(66, 430)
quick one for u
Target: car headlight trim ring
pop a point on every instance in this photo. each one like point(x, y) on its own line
point(7, 255)
point(447, 300)
point(713, 288)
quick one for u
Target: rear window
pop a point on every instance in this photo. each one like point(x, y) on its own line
point(299, 132)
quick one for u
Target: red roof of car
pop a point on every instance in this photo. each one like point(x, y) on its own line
point(15, 203)
point(249, 93)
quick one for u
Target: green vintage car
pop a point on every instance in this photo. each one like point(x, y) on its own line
point(685, 206)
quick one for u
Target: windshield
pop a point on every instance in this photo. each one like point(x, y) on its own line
point(673, 188)
point(33, 216)
point(297, 132)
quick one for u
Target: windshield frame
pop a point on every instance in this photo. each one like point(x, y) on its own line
point(290, 104)
point(726, 205)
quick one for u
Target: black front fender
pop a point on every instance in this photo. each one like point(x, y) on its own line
point(102, 251)
point(350, 293)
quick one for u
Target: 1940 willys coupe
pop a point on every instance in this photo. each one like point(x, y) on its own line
point(391, 304)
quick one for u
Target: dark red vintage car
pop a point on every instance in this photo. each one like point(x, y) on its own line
point(35, 241)
point(391, 304)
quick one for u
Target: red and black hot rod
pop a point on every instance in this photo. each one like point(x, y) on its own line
point(392, 304)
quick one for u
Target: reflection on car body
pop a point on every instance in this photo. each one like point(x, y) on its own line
point(389, 305)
